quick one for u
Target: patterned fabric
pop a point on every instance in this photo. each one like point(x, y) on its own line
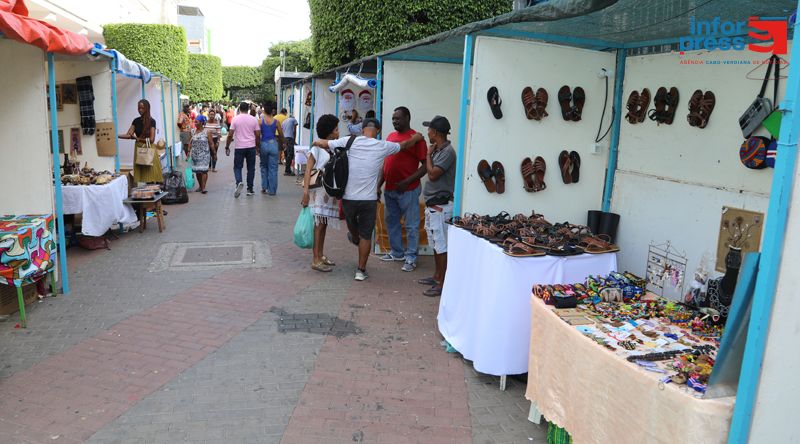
point(324, 207)
point(86, 102)
point(27, 248)
point(557, 435)
point(200, 152)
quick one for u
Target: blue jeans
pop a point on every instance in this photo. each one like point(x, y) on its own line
point(239, 156)
point(405, 204)
point(269, 166)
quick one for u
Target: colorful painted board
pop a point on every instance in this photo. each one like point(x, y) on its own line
point(27, 248)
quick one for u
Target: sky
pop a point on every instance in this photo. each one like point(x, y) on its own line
point(243, 30)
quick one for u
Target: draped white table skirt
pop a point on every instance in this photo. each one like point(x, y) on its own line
point(100, 205)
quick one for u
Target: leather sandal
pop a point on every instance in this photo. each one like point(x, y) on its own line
point(694, 116)
point(565, 101)
point(632, 104)
point(565, 164)
point(578, 100)
point(541, 103)
point(499, 174)
point(644, 103)
point(529, 103)
point(527, 175)
point(485, 173)
point(539, 169)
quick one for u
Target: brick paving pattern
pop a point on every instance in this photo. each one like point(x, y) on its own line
point(211, 354)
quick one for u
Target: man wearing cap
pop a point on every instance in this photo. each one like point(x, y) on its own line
point(401, 175)
point(365, 159)
point(440, 165)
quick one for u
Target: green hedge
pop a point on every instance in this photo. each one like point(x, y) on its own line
point(365, 27)
point(237, 77)
point(160, 48)
point(204, 80)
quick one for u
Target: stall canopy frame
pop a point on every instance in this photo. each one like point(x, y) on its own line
point(622, 26)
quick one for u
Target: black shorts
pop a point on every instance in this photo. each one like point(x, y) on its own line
point(360, 216)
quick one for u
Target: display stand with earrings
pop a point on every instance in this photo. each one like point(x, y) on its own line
point(666, 270)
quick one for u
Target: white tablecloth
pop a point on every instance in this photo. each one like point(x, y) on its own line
point(484, 311)
point(100, 205)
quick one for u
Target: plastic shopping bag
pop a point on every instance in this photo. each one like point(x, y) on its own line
point(189, 175)
point(304, 229)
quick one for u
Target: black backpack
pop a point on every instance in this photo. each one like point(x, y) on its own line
point(335, 172)
point(175, 187)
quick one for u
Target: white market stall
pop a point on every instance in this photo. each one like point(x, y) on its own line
point(670, 182)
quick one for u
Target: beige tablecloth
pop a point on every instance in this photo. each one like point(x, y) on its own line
point(599, 397)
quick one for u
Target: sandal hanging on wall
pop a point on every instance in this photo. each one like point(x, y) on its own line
point(494, 102)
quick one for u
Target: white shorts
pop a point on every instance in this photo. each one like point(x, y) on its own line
point(436, 228)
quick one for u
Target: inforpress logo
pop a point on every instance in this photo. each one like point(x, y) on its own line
point(725, 35)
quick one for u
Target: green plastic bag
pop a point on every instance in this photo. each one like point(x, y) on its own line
point(304, 229)
point(189, 175)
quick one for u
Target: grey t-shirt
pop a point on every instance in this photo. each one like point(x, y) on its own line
point(444, 158)
point(365, 161)
point(288, 126)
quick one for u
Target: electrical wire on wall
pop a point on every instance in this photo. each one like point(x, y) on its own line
point(598, 138)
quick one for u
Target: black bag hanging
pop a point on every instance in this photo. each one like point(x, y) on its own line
point(761, 107)
point(337, 170)
point(175, 187)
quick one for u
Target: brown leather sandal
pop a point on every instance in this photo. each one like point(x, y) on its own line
point(529, 103)
point(644, 103)
point(578, 100)
point(694, 116)
point(706, 108)
point(527, 174)
point(673, 96)
point(485, 173)
point(539, 169)
point(633, 102)
point(515, 248)
point(565, 100)
point(499, 174)
point(541, 103)
point(565, 164)
point(659, 113)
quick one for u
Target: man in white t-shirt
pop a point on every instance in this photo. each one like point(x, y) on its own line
point(365, 159)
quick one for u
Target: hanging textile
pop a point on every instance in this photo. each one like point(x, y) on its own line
point(86, 102)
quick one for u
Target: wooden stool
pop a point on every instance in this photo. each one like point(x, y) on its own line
point(150, 204)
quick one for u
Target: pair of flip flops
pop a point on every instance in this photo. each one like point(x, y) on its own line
point(570, 165)
point(637, 105)
point(493, 176)
point(572, 102)
point(666, 104)
point(534, 103)
point(533, 174)
point(701, 105)
point(493, 96)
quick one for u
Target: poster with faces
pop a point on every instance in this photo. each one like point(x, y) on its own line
point(347, 100)
point(364, 101)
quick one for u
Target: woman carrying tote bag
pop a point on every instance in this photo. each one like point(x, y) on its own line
point(146, 163)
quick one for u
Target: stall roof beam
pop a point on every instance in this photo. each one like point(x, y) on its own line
point(569, 40)
point(429, 59)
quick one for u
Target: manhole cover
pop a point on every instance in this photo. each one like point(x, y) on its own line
point(207, 255)
point(319, 323)
point(211, 255)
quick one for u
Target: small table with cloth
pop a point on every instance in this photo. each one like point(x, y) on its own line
point(101, 205)
point(484, 311)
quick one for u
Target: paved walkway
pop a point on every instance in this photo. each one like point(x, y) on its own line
point(148, 350)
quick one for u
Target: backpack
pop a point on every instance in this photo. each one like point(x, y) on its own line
point(335, 172)
point(175, 187)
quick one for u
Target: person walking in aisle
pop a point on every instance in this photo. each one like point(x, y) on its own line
point(324, 207)
point(185, 128)
point(245, 132)
point(270, 145)
point(289, 127)
point(202, 146)
point(216, 131)
point(401, 173)
point(365, 159)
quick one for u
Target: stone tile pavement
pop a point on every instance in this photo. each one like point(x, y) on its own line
point(197, 356)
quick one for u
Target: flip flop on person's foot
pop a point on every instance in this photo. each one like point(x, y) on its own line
point(500, 176)
point(527, 174)
point(327, 261)
point(427, 281)
point(494, 102)
point(433, 291)
point(576, 165)
point(564, 100)
point(529, 103)
point(578, 101)
point(539, 169)
point(319, 266)
point(632, 104)
point(485, 173)
point(565, 165)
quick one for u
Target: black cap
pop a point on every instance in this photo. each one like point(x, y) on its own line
point(370, 122)
point(439, 123)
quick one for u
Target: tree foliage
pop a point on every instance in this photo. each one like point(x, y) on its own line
point(160, 48)
point(238, 77)
point(204, 81)
point(365, 27)
point(298, 58)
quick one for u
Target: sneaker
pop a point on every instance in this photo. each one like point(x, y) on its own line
point(250, 193)
point(361, 275)
point(239, 188)
point(433, 291)
point(409, 266)
point(389, 258)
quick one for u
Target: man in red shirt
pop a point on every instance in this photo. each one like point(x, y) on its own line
point(401, 175)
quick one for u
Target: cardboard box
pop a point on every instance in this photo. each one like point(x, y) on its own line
point(8, 298)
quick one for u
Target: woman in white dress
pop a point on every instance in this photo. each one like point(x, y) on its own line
point(324, 207)
point(201, 147)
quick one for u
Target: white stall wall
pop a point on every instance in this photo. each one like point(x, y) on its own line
point(511, 65)
point(671, 173)
point(129, 92)
point(26, 176)
point(439, 94)
point(779, 385)
point(70, 117)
